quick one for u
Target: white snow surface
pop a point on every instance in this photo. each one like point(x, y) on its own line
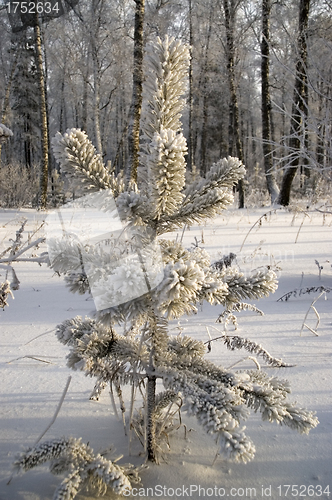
point(31, 388)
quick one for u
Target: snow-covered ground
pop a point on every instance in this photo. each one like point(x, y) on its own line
point(31, 387)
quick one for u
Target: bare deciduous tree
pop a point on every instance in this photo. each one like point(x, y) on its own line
point(234, 136)
point(136, 105)
point(266, 101)
point(300, 104)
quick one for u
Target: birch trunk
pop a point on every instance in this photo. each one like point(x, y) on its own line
point(266, 102)
point(190, 99)
point(136, 104)
point(234, 123)
point(43, 112)
point(96, 77)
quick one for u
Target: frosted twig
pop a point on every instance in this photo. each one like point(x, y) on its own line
point(314, 331)
point(11, 220)
point(235, 342)
point(323, 211)
point(30, 357)
point(97, 390)
point(122, 404)
point(302, 291)
point(30, 236)
point(40, 335)
point(244, 359)
point(183, 231)
point(113, 401)
point(319, 269)
point(133, 393)
point(304, 216)
point(258, 221)
point(4, 292)
point(35, 243)
point(209, 341)
point(56, 411)
point(4, 252)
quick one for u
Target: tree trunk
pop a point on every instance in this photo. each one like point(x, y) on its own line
point(43, 111)
point(320, 147)
point(150, 424)
point(266, 102)
point(205, 97)
point(7, 94)
point(50, 157)
point(96, 76)
point(234, 124)
point(96, 110)
point(85, 103)
point(190, 99)
point(136, 104)
point(299, 105)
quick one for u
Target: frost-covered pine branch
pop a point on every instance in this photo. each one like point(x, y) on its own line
point(162, 160)
point(99, 351)
point(268, 396)
point(81, 164)
point(206, 198)
point(228, 315)
point(84, 468)
point(166, 80)
point(218, 409)
point(260, 283)
point(166, 170)
point(233, 342)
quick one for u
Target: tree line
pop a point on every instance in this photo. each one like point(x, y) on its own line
point(259, 88)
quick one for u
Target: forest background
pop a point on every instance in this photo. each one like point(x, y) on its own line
point(259, 89)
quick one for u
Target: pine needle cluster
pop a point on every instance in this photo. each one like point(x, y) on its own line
point(84, 469)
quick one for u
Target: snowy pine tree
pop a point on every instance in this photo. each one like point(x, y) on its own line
point(128, 341)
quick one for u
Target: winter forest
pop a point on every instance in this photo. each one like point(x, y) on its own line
point(163, 166)
point(259, 86)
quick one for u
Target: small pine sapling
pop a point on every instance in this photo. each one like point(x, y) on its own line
point(127, 294)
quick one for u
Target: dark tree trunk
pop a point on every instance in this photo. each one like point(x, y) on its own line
point(190, 99)
point(136, 105)
point(7, 94)
point(205, 96)
point(299, 108)
point(320, 148)
point(234, 123)
point(43, 112)
point(150, 424)
point(266, 101)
